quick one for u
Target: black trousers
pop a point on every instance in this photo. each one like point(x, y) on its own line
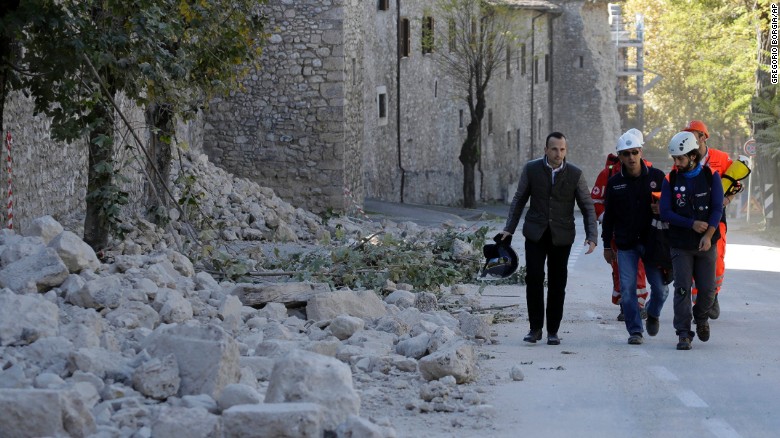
point(557, 258)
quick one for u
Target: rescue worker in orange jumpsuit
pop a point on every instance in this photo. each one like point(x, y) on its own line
point(718, 161)
point(598, 194)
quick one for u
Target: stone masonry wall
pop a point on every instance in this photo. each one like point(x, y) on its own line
point(288, 129)
point(307, 122)
point(584, 91)
point(48, 177)
point(353, 104)
point(431, 134)
point(504, 154)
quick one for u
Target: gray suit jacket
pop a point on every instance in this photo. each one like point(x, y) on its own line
point(552, 205)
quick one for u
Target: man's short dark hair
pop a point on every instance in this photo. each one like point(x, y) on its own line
point(694, 156)
point(555, 134)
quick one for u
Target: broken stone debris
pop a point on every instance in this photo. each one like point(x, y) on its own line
point(145, 346)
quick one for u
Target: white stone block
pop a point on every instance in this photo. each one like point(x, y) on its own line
point(278, 420)
point(309, 377)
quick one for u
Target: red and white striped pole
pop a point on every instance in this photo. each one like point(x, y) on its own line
point(8, 162)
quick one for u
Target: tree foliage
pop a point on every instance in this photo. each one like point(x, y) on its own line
point(705, 51)
point(767, 113)
point(168, 56)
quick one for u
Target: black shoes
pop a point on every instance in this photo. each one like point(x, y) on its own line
point(621, 316)
point(533, 336)
point(652, 325)
point(715, 309)
point(635, 339)
point(536, 335)
point(684, 344)
point(703, 331)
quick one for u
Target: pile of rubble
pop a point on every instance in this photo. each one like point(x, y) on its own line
point(220, 208)
point(145, 346)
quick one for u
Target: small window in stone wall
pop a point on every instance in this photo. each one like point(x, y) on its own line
point(582, 62)
point(427, 35)
point(404, 37)
point(381, 105)
point(354, 71)
point(536, 71)
point(384, 5)
point(518, 140)
point(436, 88)
point(546, 68)
point(539, 129)
point(509, 139)
point(508, 61)
point(460, 119)
point(521, 59)
point(452, 34)
point(490, 121)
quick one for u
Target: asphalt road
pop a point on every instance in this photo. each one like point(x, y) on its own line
point(596, 385)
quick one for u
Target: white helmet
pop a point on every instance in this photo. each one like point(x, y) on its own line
point(628, 141)
point(682, 143)
point(637, 133)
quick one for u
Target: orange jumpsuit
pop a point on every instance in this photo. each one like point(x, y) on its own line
point(612, 167)
point(718, 161)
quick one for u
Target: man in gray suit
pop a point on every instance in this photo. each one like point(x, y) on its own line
point(552, 185)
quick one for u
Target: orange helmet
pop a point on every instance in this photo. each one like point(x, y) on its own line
point(697, 125)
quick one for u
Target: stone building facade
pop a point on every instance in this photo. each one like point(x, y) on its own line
point(335, 109)
point(584, 98)
point(321, 121)
point(298, 126)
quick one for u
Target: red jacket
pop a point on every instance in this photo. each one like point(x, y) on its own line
point(718, 161)
point(611, 167)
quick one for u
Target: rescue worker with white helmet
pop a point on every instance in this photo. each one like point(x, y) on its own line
point(692, 203)
point(629, 213)
point(717, 161)
point(598, 194)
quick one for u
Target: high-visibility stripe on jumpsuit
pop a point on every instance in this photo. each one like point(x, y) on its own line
point(718, 161)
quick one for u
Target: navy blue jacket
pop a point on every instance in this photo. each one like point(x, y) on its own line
point(627, 213)
point(690, 198)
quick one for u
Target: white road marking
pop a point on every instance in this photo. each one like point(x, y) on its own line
point(593, 315)
point(576, 250)
point(690, 399)
point(720, 428)
point(663, 373)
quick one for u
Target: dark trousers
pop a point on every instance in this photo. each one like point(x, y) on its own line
point(557, 257)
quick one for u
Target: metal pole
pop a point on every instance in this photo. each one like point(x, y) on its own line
point(750, 191)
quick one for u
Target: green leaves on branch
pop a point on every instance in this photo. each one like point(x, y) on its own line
point(705, 52)
point(110, 197)
point(426, 265)
point(767, 113)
